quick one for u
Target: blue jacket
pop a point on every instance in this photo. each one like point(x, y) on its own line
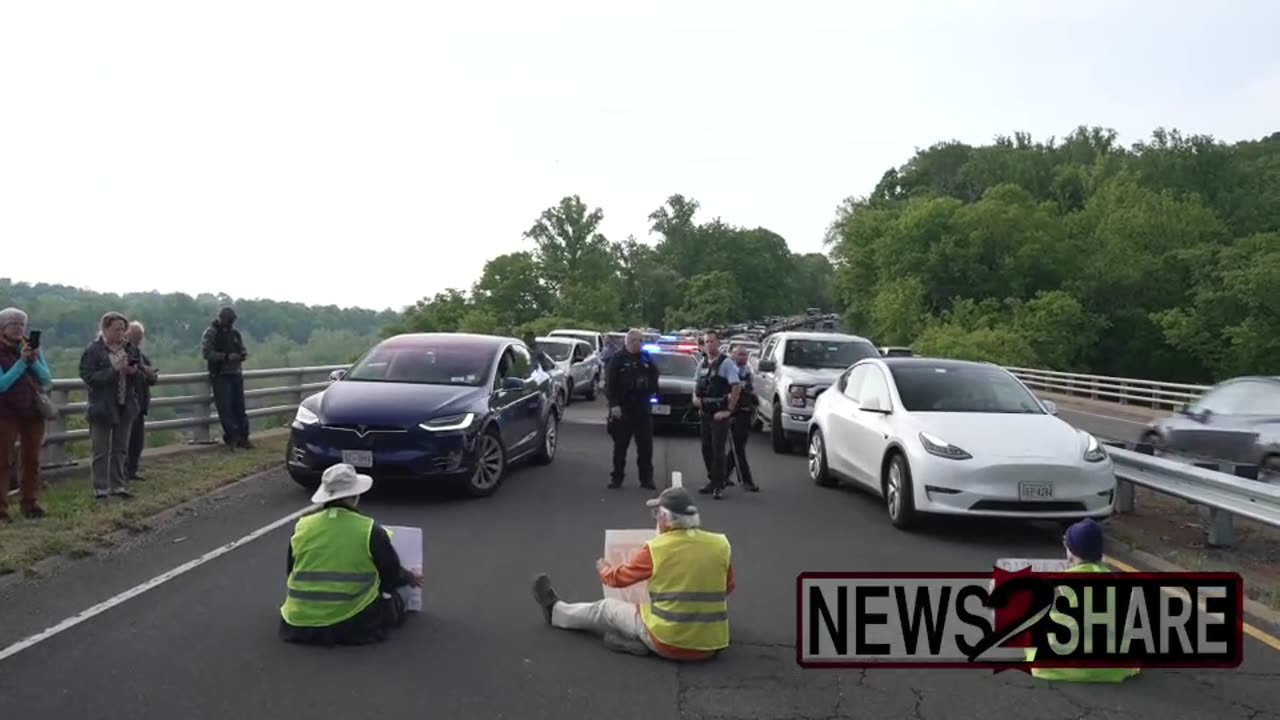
point(39, 367)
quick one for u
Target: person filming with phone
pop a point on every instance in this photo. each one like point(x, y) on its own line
point(24, 408)
point(109, 366)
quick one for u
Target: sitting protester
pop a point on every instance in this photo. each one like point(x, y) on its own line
point(1083, 542)
point(343, 571)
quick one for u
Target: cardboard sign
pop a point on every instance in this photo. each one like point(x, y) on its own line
point(408, 544)
point(619, 546)
point(1037, 565)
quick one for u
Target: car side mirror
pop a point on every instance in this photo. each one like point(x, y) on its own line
point(766, 366)
point(1050, 407)
point(337, 375)
point(512, 383)
point(874, 405)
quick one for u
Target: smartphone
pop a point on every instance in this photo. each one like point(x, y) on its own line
point(34, 341)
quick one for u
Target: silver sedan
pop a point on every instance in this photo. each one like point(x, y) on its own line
point(953, 437)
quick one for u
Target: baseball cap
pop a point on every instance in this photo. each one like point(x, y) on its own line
point(675, 499)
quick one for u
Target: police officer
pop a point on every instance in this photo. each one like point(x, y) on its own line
point(740, 423)
point(716, 396)
point(631, 378)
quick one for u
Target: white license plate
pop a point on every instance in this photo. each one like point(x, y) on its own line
point(661, 409)
point(1035, 491)
point(358, 458)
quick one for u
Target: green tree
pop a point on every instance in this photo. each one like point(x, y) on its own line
point(710, 298)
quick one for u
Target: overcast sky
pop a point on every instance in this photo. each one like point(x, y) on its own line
point(372, 153)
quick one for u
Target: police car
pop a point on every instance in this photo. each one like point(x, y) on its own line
point(677, 365)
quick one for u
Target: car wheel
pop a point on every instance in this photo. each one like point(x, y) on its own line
point(491, 465)
point(819, 472)
point(550, 440)
point(899, 498)
point(1154, 439)
point(591, 389)
point(781, 444)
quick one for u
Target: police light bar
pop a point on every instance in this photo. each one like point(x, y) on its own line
point(669, 338)
point(686, 347)
point(651, 347)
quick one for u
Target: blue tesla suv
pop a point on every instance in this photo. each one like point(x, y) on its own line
point(439, 407)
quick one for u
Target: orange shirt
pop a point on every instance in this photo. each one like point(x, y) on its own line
point(640, 569)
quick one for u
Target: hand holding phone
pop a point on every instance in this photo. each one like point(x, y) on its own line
point(33, 341)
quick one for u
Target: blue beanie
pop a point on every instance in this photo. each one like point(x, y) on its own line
point(1084, 540)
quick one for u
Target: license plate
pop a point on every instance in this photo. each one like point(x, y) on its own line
point(358, 458)
point(661, 409)
point(1035, 491)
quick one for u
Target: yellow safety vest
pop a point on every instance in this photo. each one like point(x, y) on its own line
point(688, 593)
point(333, 576)
point(1097, 675)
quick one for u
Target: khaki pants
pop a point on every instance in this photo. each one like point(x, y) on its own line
point(110, 443)
point(29, 434)
point(619, 622)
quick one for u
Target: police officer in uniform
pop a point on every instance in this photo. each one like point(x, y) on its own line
point(631, 378)
point(740, 423)
point(716, 396)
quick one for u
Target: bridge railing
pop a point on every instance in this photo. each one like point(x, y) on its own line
point(195, 408)
point(1127, 391)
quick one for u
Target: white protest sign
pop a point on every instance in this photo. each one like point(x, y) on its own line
point(408, 544)
point(619, 546)
point(1037, 565)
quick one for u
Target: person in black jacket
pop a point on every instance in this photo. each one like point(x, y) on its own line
point(224, 351)
point(740, 423)
point(109, 367)
point(631, 378)
point(138, 435)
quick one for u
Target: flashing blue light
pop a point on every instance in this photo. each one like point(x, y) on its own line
point(651, 348)
point(653, 400)
point(669, 338)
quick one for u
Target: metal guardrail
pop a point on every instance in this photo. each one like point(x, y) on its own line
point(1134, 391)
point(199, 399)
point(1222, 494)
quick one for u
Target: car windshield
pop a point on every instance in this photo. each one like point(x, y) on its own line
point(556, 351)
point(589, 337)
point(424, 365)
point(960, 389)
point(832, 354)
point(676, 364)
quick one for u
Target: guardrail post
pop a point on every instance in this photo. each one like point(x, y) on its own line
point(300, 379)
point(204, 417)
point(54, 452)
point(1219, 524)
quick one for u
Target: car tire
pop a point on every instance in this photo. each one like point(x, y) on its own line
point(819, 471)
point(491, 466)
point(550, 440)
point(1154, 439)
point(899, 498)
point(781, 443)
point(591, 389)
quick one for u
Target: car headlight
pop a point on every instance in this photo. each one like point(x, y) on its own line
point(1094, 452)
point(305, 417)
point(449, 422)
point(798, 394)
point(935, 445)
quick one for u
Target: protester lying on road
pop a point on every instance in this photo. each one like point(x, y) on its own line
point(690, 576)
point(343, 570)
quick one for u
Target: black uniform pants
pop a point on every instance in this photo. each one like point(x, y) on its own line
point(137, 441)
point(715, 437)
point(739, 433)
point(636, 422)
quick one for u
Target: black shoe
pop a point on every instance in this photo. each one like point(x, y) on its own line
point(545, 595)
point(244, 445)
point(706, 489)
point(136, 478)
point(123, 494)
point(751, 488)
point(34, 512)
point(648, 485)
point(717, 495)
point(615, 484)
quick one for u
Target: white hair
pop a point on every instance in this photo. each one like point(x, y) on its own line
point(681, 522)
point(135, 325)
point(635, 333)
point(12, 316)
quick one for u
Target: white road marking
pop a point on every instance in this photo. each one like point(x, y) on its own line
point(134, 592)
point(677, 480)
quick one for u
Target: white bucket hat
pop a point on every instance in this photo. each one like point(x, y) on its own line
point(341, 481)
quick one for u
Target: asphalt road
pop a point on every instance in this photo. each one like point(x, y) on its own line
point(203, 644)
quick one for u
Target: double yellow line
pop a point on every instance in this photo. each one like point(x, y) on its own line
point(1258, 634)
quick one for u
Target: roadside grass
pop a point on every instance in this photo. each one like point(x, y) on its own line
point(78, 526)
point(1174, 530)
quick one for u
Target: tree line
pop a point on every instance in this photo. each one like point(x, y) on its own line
point(1161, 260)
point(697, 273)
point(278, 334)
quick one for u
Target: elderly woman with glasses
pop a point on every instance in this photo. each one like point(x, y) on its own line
point(23, 375)
point(109, 366)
